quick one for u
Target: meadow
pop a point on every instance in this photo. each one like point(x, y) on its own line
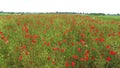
point(59, 41)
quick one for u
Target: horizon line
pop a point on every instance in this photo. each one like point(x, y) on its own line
point(55, 12)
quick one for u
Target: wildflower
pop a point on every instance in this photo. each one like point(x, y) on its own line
point(91, 30)
point(79, 49)
point(59, 43)
point(73, 64)
point(87, 51)
point(64, 40)
point(93, 58)
point(26, 52)
point(34, 36)
point(92, 27)
point(67, 64)
point(27, 35)
point(26, 30)
point(101, 34)
point(55, 48)
point(48, 58)
point(82, 41)
point(20, 58)
point(102, 39)
point(86, 58)
point(24, 47)
point(34, 41)
point(82, 59)
point(43, 39)
point(45, 43)
point(96, 39)
point(63, 50)
point(48, 44)
point(6, 40)
point(75, 57)
point(108, 59)
point(82, 35)
point(119, 33)
point(93, 48)
point(73, 43)
point(53, 62)
point(108, 46)
point(112, 52)
point(2, 37)
point(1, 33)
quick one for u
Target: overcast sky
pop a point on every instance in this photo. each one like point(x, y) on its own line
point(99, 6)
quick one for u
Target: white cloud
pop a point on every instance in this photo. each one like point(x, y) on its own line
point(103, 6)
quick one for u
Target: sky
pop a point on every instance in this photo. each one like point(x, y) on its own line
point(87, 6)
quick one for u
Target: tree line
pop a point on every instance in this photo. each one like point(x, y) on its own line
point(103, 14)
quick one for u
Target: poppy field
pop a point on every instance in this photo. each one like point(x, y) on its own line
point(59, 41)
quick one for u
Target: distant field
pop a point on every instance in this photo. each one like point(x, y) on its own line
point(109, 18)
point(59, 41)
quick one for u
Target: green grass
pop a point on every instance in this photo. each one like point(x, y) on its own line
point(109, 18)
point(59, 41)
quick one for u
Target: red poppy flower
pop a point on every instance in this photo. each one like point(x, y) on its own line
point(112, 52)
point(67, 64)
point(72, 43)
point(82, 59)
point(82, 41)
point(24, 47)
point(118, 33)
point(75, 57)
point(27, 36)
point(102, 39)
point(82, 35)
point(34, 36)
point(79, 49)
point(73, 64)
point(108, 59)
point(108, 46)
point(20, 58)
point(26, 52)
point(96, 39)
point(26, 30)
point(63, 50)
point(48, 58)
